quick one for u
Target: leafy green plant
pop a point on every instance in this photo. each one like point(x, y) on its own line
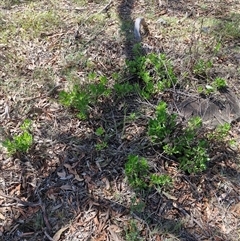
point(101, 145)
point(132, 116)
point(190, 149)
point(136, 170)
point(154, 70)
point(139, 175)
point(220, 133)
point(219, 83)
point(132, 232)
point(100, 131)
point(201, 67)
point(160, 180)
point(123, 89)
point(162, 125)
point(22, 142)
point(81, 97)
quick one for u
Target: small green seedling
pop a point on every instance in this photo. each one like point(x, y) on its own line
point(101, 145)
point(139, 175)
point(220, 133)
point(132, 232)
point(22, 142)
point(136, 170)
point(201, 67)
point(219, 83)
point(100, 131)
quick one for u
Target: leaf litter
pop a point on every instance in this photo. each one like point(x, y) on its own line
point(60, 190)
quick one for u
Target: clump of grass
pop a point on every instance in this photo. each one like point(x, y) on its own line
point(228, 29)
point(30, 24)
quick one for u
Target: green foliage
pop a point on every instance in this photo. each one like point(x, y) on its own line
point(136, 170)
point(220, 83)
point(139, 176)
point(77, 99)
point(132, 232)
point(100, 131)
point(190, 146)
point(101, 145)
point(154, 70)
point(201, 67)
point(190, 149)
point(160, 180)
point(22, 142)
point(81, 97)
point(123, 89)
point(132, 117)
point(217, 47)
point(163, 124)
point(220, 133)
point(228, 29)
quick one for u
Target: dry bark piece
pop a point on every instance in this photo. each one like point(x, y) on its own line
point(215, 111)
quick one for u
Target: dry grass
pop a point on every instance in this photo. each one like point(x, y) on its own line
point(65, 189)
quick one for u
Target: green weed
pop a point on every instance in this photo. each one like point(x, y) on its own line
point(101, 145)
point(81, 97)
point(160, 180)
point(132, 232)
point(218, 84)
point(190, 145)
point(136, 170)
point(123, 89)
point(154, 70)
point(22, 142)
point(162, 126)
point(201, 67)
point(139, 176)
point(187, 146)
point(100, 131)
point(220, 133)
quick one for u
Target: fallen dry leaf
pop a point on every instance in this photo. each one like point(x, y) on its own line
point(58, 234)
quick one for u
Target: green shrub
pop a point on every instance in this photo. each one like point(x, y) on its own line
point(163, 124)
point(81, 97)
point(190, 149)
point(22, 142)
point(139, 175)
point(154, 70)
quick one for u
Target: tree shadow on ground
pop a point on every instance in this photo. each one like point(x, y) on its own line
point(73, 180)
